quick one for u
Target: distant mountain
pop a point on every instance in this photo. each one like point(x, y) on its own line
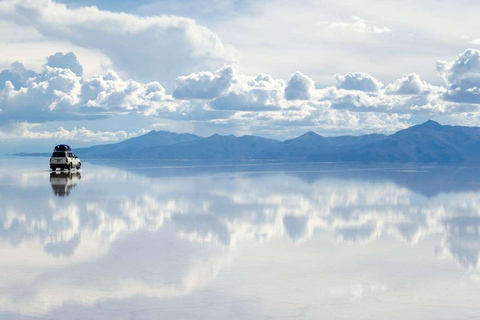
point(134, 145)
point(425, 143)
point(215, 147)
point(311, 146)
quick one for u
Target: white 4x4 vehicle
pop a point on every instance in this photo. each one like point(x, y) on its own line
point(63, 158)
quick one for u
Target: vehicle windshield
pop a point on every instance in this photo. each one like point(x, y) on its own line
point(58, 155)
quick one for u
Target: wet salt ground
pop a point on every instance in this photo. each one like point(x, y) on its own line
point(238, 241)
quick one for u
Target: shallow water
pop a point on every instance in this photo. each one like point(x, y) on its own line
point(187, 240)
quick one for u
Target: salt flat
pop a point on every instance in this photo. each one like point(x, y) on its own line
point(196, 240)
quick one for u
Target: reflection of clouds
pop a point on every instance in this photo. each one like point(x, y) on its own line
point(186, 228)
point(462, 241)
point(228, 209)
point(126, 270)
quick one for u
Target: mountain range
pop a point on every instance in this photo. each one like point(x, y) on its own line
point(429, 142)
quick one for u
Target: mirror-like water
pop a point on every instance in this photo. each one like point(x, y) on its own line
point(138, 240)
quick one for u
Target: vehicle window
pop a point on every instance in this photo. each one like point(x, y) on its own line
point(70, 155)
point(58, 155)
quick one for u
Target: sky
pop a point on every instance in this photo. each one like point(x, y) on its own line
point(87, 72)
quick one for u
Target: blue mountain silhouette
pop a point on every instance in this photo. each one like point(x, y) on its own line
point(429, 142)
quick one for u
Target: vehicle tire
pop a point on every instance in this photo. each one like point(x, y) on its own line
point(70, 167)
point(53, 168)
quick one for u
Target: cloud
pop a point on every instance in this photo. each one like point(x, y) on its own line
point(259, 93)
point(411, 84)
point(356, 24)
point(321, 117)
point(27, 131)
point(230, 102)
point(146, 48)
point(299, 87)
point(358, 81)
point(59, 94)
point(52, 94)
point(428, 104)
point(17, 75)
point(358, 291)
point(65, 61)
point(462, 77)
point(239, 102)
point(205, 85)
point(110, 94)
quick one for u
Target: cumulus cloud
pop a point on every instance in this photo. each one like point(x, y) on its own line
point(262, 92)
point(462, 77)
point(17, 75)
point(65, 61)
point(227, 101)
point(109, 93)
point(146, 48)
point(411, 84)
point(358, 81)
point(299, 87)
point(249, 104)
point(430, 105)
point(52, 94)
point(59, 94)
point(205, 85)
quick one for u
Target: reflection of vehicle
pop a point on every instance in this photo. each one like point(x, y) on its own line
point(63, 182)
point(63, 158)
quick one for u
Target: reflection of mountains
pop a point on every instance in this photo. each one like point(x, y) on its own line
point(63, 182)
point(358, 205)
point(441, 179)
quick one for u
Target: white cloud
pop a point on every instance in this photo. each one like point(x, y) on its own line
point(205, 85)
point(17, 74)
point(411, 84)
point(146, 48)
point(356, 24)
point(24, 130)
point(58, 93)
point(299, 87)
point(462, 77)
point(358, 291)
point(65, 61)
point(262, 92)
point(52, 94)
point(110, 94)
point(428, 104)
point(318, 117)
point(230, 102)
point(358, 81)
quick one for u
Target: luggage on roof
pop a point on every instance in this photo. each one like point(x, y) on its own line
point(62, 147)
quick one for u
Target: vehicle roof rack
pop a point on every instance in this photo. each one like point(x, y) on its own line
point(62, 147)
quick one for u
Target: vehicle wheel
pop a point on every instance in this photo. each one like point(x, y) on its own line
point(53, 168)
point(70, 167)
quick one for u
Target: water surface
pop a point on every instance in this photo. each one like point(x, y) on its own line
point(190, 240)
